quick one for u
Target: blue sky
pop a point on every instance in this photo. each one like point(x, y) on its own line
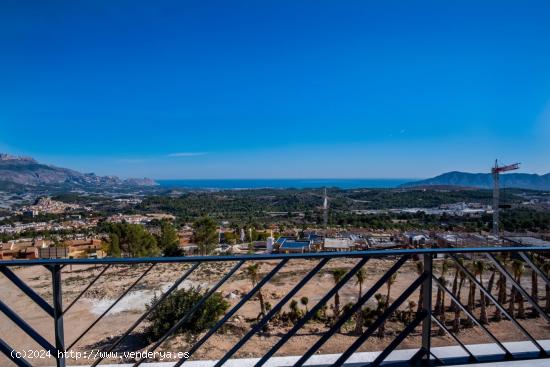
point(262, 89)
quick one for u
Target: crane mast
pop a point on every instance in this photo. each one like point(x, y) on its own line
point(496, 171)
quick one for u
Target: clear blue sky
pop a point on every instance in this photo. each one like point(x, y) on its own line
point(256, 89)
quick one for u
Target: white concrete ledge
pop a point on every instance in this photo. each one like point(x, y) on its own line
point(359, 359)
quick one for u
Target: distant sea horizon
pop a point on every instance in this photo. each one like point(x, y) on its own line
point(287, 183)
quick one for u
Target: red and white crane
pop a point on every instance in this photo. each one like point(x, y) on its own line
point(496, 171)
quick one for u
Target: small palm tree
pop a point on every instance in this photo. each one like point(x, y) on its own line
point(501, 298)
point(491, 283)
point(360, 275)
point(410, 310)
point(546, 269)
point(457, 310)
point(253, 272)
point(419, 271)
point(439, 302)
point(471, 298)
point(534, 289)
point(518, 269)
point(337, 275)
point(479, 266)
point(389, 283)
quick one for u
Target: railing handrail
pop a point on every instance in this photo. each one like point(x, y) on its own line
point(263, 257)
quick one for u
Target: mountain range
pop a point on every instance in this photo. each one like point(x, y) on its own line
point(485, 180)
point(27, 171)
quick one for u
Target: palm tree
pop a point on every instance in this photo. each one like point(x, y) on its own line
point(360, 275)
point(501, 298)
point(439, 302)
point(519, 268)
point(470, 306)
point(455, 285)
point(546, 269)
point(410, 309)
point(457, 310)
point(478, 268)
point(389, 283)
point(534, 289)
point(253, 274)
point(419, 271)
point(337, 275)
point(491, 283)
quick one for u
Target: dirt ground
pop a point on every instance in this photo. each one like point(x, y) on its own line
point(117, 278)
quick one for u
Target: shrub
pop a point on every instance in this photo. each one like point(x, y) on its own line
point(177, 305)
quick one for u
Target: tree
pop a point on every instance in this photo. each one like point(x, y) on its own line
point(360, 275)
point(205, 236)
point(114, 245)
point(457, 310)
point(491, 283)
point(133, 239)
point(501, 297)
point(439, 303)
point(471, 298)
point(419, 271)
point(534, 289)
point(253, 274)
point(518, 269)
point(337, 275)
point(168, 240)
point(546, 269)
point(177, 305)
point(479, 266)
point(389, 283)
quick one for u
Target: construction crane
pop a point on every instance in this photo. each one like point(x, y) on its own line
point(496, 171)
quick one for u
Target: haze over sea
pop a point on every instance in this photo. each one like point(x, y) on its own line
point(342, 183)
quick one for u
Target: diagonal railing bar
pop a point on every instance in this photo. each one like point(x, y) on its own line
point(473, 318)
point(193, 309)
point(228, 315)
point(10, 353)
point(398, 339)
point(86, 289)
point(272, 312)
point(27, 290)
point(488, 294)
point(351, 311)
point(381, 319)
point(441, 324)
point(145, 314)
point(26, 328)
point(508, 276)
point(311, 312)
point(112, 305)
point(535, 268)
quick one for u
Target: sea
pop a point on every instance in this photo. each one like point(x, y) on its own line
point(243, 184)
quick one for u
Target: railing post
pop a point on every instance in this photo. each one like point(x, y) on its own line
point(58, 315)
point(427, 308)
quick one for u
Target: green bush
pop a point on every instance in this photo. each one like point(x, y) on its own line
point(177, 305)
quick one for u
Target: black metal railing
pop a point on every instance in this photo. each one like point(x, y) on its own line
point(428, 321)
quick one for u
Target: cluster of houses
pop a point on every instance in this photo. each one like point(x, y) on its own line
point(45, 249)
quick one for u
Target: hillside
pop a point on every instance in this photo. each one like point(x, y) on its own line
point(485, 180)
point(27, 171)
